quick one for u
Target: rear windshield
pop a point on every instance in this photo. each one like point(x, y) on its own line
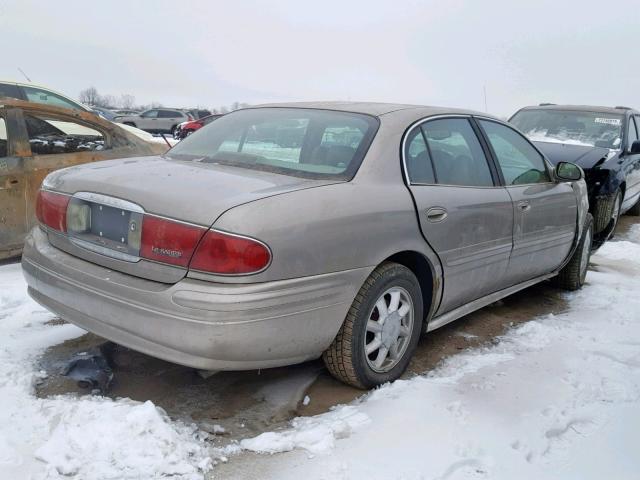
point(293, 141)
point(592, 129)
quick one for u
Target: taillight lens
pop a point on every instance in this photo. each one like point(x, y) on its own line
point(51, 210)
point(167, 241)
point(228, 254)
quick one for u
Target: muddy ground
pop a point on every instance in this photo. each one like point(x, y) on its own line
point(248, 403)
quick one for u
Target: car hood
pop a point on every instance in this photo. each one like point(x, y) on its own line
point(185, 190)
point(585, 156)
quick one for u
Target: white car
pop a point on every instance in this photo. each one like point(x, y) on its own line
point(38, 94)
point(163, 120)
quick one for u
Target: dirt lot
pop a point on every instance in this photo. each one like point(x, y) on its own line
point(248, 403)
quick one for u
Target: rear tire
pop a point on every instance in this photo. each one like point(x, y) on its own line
point(574, 273)
point(388, 313)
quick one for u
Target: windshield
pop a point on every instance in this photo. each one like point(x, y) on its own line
point(292, 141)
point(592, 129)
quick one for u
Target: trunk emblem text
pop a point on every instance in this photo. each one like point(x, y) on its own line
point(166, 252)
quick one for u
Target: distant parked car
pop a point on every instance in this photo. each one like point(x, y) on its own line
point(604, 141)
point(126, 112)
point(197, 114)
point(234, 252)
point(185, 129)
point(156, 120)
point(37, 139)
point(37, 94)
point(105, 113)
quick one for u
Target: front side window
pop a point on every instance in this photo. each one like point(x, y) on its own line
point(38, 95)
point(54, 136)
point(456, 153)
point(520, 163)
point(292, 141)
point(590, 129)
point(418, 162)
point(633, 134)
point(150, 114)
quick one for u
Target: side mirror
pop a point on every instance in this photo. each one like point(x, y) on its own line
point(568, 172)
point(635, 147)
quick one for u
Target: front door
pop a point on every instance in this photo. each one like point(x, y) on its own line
point(545, 211)
point(464, 215)
point(631, 165)
point(148, 120)
point(13, 219)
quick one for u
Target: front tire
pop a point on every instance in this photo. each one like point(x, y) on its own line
point(574, 273)
point(381, 330)
point(635, 210)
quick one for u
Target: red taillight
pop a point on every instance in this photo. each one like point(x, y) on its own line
point(228, 254)
point(167, 241)
point(51, 210)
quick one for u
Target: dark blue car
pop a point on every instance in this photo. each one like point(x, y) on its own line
point(601, 140)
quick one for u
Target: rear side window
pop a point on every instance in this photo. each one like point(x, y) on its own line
point(456, 153)
point(521, 164)
point(293, 141)
point(38, 95)
point(54, 136)
point(419, 167)
point(3, 138)
point(11, 91)
point(169, 114)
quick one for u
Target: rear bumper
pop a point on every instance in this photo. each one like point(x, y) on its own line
point(195, 323)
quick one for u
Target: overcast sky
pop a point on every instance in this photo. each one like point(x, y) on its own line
point(210, 53)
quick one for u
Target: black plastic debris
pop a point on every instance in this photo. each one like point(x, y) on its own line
point(91, 369)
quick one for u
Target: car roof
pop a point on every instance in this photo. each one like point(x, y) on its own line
point(582, 108)
point(373, 108)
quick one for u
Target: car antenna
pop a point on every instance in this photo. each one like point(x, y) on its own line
point(25, 75)
point(165, 140)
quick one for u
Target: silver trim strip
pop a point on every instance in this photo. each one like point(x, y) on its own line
point(109, 201)
point(466, 309)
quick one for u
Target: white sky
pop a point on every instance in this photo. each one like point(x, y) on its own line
point(210, 53)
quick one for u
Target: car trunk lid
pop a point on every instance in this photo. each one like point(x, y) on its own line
point(112, 200)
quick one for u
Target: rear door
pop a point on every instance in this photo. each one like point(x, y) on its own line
point(465, 215)
point(13, 184)
point(545, 211)
point(169, 118)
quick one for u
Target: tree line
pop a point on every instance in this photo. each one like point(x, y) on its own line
point(91, 97)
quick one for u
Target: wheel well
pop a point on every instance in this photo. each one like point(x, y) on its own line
point(422, 269)
point(623, 189)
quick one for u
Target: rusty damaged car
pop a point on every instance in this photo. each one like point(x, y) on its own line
point(280, 234)
point(36, 139)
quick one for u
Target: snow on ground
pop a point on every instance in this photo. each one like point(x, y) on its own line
point(557, 397)
point(79, 437)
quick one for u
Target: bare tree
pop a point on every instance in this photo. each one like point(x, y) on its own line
point(89, 96)
point(127, 101)
point(107, 101)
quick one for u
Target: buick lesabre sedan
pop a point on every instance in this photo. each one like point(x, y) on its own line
point(604, 141)
point(280, 234)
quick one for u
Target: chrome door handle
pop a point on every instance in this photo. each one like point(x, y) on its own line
point(524, 206)
point(436, 214)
